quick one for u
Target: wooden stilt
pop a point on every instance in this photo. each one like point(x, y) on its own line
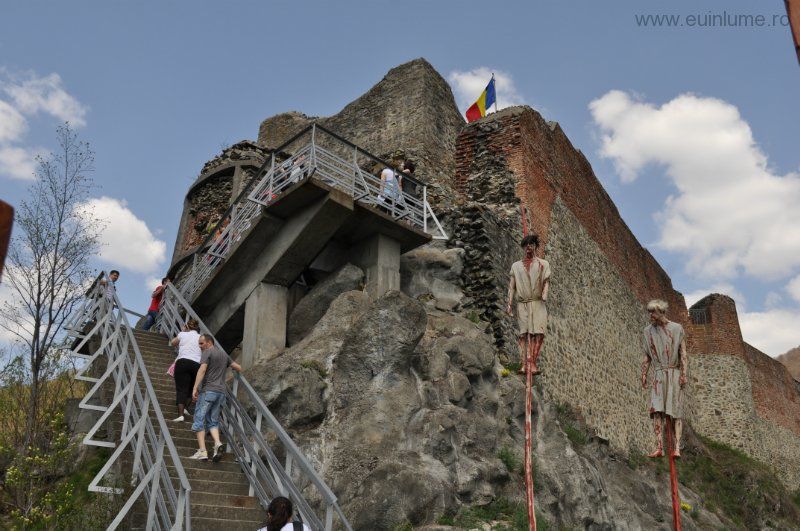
point(529, 435)
point(673, 475)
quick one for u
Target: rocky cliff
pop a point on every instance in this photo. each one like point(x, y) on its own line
point(408, 413)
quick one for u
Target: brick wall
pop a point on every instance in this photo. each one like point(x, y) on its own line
point(601, 279)
point(546, 166)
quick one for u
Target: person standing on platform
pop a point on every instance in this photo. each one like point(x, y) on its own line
point(530, 283)
point(664, 344)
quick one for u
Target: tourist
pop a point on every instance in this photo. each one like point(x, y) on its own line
point(155, 304)
point(279, 517)
point(210, 393)
point(391, 184)
point(187, 363)
point(530, 282)
point(664, 344)
point(110, 284)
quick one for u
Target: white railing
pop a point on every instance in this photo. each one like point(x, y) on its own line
point(247, 429)
point(325, 156)
point(143, 435)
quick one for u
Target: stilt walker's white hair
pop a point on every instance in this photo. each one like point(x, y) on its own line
point(658, 305)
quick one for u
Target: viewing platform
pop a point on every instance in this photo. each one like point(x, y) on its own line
point(319, 208)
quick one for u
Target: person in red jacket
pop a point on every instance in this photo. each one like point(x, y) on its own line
point(155, 303)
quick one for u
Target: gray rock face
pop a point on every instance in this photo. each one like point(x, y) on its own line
point(405, 413)
point(410, 111)
point(313, 306)
point(433, 273)
point(401, 410)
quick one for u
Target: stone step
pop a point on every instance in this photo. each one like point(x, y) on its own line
point(216, 487)
point(219, 512)
point(208, 474)
point(221, 497)
point(208, 524)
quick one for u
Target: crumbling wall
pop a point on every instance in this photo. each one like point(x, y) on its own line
point(545, 165)
point(741, 396)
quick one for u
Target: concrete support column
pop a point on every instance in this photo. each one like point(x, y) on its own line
point(264, 323)
point(379, 257)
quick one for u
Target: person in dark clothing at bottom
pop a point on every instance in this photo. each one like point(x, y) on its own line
point(279, 517)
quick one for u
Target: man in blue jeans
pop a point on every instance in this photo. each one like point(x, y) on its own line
point(209, 393)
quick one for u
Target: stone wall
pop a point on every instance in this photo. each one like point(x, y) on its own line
point(740, 396)
point(545, 165)
point(219, 183)
point(592, 352)
point(601, 279)
point(411, 111)
point(774, 390)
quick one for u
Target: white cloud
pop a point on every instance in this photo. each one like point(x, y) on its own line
point(12, 124)
point(730, 213)
point(794, 289)
point(127, 242)
point(773, 300)
point(17, 162)
point(468, 86)
point(723, 288)
point(772, 331)
point(32, 94)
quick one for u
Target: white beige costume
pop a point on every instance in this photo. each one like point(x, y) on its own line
point(662, 345)
point(528, 287)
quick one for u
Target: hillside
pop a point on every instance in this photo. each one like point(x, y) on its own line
point(791, 360)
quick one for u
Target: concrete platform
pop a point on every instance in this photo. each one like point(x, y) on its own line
point(283, 241)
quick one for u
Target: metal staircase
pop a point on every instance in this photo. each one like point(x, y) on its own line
point(166, 489)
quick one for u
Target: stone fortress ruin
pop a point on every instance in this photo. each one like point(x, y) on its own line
point(476, 177)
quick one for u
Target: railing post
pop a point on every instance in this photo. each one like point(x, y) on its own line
point(425, 209)
point(271, 177)
point(314, 144)
point(137, 453)
point(253, 458)
point(151, 509)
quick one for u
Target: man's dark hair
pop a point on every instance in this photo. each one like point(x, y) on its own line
point(164, 279)
point(410, 166)
point(112, 272)
point(530, 239)
point(208, 338)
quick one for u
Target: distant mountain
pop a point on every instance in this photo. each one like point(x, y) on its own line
point(792, 361)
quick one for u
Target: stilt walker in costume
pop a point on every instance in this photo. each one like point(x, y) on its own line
point(529, 282)
point(664, 344)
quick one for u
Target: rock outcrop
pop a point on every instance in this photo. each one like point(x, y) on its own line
point(411, 113)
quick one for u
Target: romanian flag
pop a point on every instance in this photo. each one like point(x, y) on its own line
point(487, 99)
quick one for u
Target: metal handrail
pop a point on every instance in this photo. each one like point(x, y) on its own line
point(144, 433)
point(244, 428)
point(317, 157)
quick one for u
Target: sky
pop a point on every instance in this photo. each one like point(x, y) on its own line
point(691, 127)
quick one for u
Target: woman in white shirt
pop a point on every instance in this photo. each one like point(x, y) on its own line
point(186, 365)
point(279, 517)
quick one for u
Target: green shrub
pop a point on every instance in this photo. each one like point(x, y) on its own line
point(510, 460)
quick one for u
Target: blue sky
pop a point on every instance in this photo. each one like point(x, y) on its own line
point(162, 85)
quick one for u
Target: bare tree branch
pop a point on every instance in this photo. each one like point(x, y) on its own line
point(49, 262)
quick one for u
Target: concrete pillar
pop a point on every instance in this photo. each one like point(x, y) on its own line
point(264, 323)
point(379, 257)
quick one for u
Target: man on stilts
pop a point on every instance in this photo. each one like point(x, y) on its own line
point(664, 345)
point(529, 281)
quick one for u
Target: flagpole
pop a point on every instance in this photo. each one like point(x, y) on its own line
point(496, 108)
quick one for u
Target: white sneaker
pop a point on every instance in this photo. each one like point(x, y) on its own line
point(179, 419)
point(219, 451)
point(200, 455)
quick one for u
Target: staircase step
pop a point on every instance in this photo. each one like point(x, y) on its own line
point(221, 497)
point(252, 514)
